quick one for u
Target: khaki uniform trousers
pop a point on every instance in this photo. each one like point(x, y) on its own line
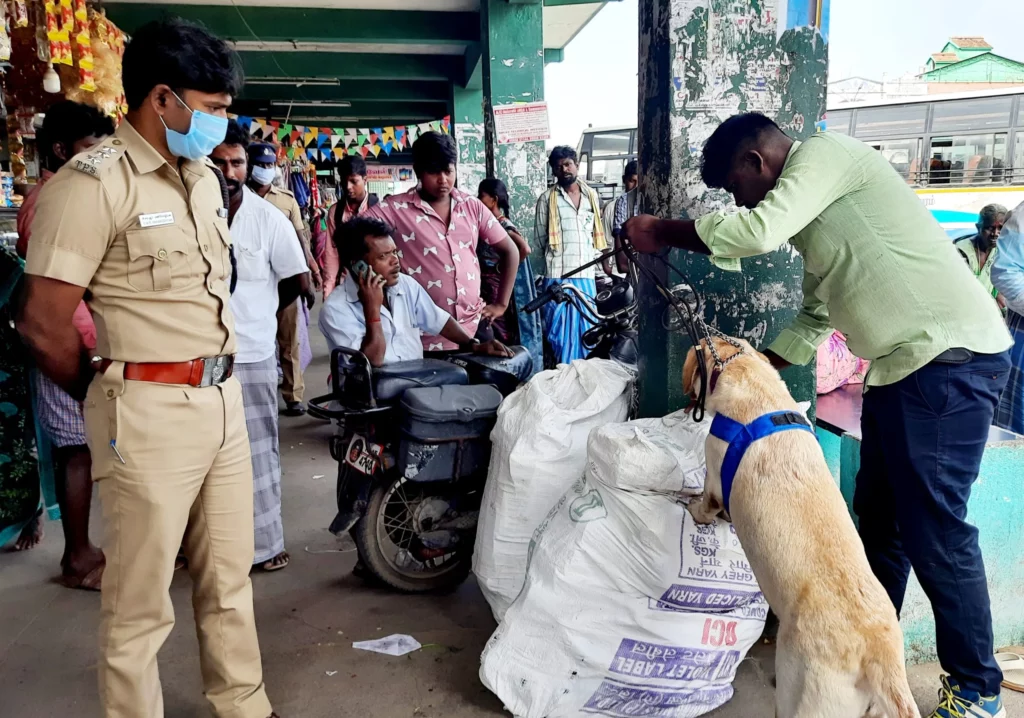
point(186, 479)
point(293, 388)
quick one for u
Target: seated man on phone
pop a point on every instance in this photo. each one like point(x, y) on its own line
point(380, 311)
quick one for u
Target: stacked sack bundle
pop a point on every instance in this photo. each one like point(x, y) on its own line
point(538, 449)
point(629, 608)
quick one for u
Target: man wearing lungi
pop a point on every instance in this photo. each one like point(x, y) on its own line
point(269, 266)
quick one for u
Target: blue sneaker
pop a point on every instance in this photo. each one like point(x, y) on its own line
point(955, 702)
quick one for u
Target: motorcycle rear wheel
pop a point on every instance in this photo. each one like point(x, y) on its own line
point(386, 539)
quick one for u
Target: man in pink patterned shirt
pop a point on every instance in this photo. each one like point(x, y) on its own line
point(437, 228)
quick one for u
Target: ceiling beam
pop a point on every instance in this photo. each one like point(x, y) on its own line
point(352, 90)
point(310, 25)
point(420, 110)
point(353, 66)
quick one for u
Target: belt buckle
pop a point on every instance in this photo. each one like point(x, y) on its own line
point(216, 370)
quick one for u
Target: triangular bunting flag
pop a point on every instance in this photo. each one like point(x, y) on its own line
point(373, 138)
point(284, 131)
point(400, 136)
point(339, 152)
point(291, 153)
point(309, 137)
point(387, 148)
point(388, 133)
point(446, 124)
point(361, 140)
point(353, 150)
point(313, 154)
point(375, 149)
point(335, 139)
point(424, 127)
point(364, 131)
point(323, 139)
point(364, 150)
point(435, 126)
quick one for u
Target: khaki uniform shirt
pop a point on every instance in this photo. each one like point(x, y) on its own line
point(285, 201)
point(148, 242)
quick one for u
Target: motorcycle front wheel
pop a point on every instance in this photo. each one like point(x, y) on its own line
point(388, 537)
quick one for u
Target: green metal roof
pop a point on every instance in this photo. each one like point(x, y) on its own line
point(351, 62)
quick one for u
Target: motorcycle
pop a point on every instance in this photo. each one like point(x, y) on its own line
point(412, 443)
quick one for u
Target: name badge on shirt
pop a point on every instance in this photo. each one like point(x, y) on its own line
point(157, 219)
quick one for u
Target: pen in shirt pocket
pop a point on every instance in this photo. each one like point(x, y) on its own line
point(113, 445)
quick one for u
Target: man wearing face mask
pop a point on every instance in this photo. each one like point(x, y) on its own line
point(263, 158)
point(138, 221)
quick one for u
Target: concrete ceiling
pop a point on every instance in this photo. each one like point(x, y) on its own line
point(354, 61)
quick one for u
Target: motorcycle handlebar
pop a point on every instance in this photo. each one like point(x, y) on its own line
point(540, 301)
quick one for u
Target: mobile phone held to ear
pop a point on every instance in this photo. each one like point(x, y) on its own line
point(361, 269)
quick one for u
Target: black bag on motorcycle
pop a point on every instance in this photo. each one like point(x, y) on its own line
point(445, 431)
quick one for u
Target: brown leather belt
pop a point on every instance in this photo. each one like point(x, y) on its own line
point(199, 373)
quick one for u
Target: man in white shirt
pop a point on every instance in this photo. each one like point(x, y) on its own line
point(270, 265)
point(379, 311)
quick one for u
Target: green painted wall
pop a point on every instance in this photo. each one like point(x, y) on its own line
point(701, 62)
point(986, 68)
point(513, 64)
point(468, 121)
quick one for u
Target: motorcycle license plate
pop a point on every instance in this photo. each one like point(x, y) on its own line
point(363, 455)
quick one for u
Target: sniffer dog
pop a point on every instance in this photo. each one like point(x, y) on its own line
point(840, 648)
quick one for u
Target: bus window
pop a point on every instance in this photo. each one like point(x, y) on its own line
point(972, 115)
point(902, 155)
point(583, 166)
point(967, 159)
point(838, 121)
point(610, 144)
point(891, 121)
point(608, 171)
point(1017, 168)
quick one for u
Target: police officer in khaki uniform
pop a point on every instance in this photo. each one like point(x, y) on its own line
point(139, 222)
point(262, 157)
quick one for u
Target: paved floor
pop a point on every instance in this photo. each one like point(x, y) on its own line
point(308, 616)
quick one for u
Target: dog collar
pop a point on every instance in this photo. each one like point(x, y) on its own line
point(739, 437)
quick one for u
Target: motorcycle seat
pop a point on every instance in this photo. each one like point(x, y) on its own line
point(505, 373)
point(392, 380)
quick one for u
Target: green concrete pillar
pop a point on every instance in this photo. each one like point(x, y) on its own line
point(513, 71)
point(468, 124)
point(701, 62)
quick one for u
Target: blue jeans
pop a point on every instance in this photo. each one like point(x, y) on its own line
point(923, 438)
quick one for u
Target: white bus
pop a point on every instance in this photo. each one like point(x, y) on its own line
point(960, 152)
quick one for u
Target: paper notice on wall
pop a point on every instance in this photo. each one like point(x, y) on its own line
point(522, 122)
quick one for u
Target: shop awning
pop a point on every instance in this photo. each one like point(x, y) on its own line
point(352, 61)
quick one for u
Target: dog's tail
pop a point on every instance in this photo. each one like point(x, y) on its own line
point(885, 673)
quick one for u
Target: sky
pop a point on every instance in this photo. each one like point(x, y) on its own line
point(597, 81)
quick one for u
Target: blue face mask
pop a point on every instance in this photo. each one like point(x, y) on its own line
point(205, 132)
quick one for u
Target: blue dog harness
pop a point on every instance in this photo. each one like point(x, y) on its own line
point(739, 437)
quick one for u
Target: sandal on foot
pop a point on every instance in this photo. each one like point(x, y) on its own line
point(90, 582)
point(277, 563)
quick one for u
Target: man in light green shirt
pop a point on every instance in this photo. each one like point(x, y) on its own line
point(880, 269)
point(981, 250)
